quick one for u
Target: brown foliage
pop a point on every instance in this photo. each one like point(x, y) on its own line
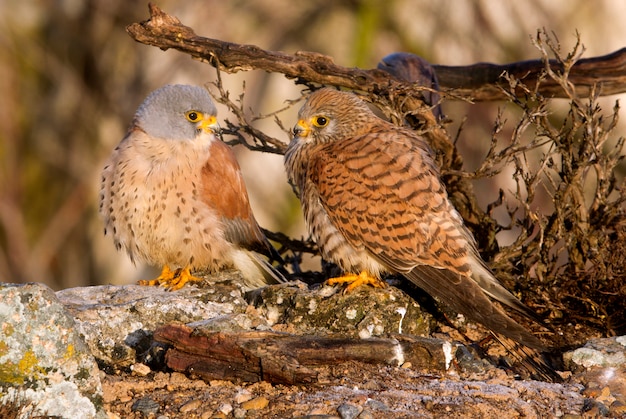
point(572, 256)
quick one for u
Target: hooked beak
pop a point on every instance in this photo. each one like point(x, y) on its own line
point(301, 129)
point(209, 125)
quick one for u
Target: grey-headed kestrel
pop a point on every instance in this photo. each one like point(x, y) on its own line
point(172, 194)
point(373, 201)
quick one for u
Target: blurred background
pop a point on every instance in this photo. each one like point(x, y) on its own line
point(71, 79)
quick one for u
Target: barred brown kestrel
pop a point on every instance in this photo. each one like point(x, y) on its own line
point(172, 194)
point(374, 202)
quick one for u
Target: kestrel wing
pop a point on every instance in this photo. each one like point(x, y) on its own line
point(223, 189)
point(382, 190)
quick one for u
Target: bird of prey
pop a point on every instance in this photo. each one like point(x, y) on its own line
point(415, 69)
point(172, 194)
point(374, 202)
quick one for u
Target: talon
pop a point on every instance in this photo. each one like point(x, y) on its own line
point(166, 275)
point(172, 280)
point(182, 277)
point(354, 281)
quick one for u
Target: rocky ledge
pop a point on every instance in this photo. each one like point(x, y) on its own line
point(209, 350)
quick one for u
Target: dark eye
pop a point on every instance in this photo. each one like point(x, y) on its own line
point(193, 116)
point(320, 121)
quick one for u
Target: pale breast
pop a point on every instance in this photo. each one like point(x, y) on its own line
point(332, 243)
point(151, 203)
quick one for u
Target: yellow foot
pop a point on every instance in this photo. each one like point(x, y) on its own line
point(355, 281)
point(172, 280)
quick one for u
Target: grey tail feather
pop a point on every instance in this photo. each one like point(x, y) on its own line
point(270, 274)
point(532, 360)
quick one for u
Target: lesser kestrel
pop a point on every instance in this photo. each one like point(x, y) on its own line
point(415, 69)
point(374, 202)
point(172, 194)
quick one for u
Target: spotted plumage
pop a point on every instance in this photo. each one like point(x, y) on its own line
point(172, 193)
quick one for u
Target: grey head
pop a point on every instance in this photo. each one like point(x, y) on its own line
point(163, 113)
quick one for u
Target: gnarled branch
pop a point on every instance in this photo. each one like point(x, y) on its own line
point(478, 82)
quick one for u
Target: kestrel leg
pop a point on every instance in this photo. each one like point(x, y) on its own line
point(172, 280)
point(166, 275)
point(354, 281)
point(181, 278)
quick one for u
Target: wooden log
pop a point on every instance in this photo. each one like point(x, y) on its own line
point(289, 359)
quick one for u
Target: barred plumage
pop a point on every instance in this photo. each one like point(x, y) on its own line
point(373, 201)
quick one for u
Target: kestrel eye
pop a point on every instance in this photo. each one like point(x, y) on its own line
point(320, 121)
point(193, 116)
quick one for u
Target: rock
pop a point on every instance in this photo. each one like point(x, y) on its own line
point(190, 406)
point(242, 396)
point(366, 414)
point(605, 352)
point(601, 366)
point(257, 403)
point(146, 406)
point(365, 312)
point(43, 359)
point(376, 405)
point(118, 321)
point(140, 369)
point(226, 408)
point(348, 411)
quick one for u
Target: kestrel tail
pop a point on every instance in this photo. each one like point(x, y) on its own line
point(374, 203)
point(172, 194)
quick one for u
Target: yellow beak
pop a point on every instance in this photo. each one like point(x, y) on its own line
point(302, 129)
point(209, 125)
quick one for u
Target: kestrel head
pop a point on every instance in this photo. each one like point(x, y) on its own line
point(329, 114)
point(177, 112)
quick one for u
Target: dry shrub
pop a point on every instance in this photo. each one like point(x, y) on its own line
point(571, 250)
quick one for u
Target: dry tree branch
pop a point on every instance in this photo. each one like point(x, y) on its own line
point(243, 131)
point(577, 247)
point(165, 31)
point(479, 81)
point(572, 246)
